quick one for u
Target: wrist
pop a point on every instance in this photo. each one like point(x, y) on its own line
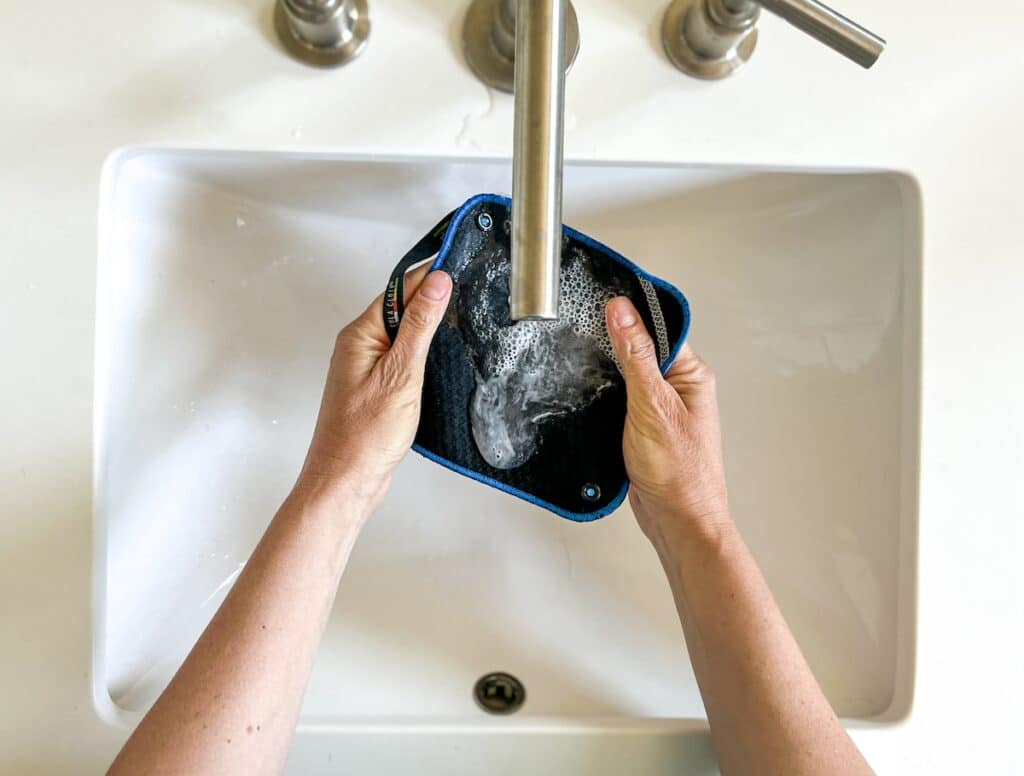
point(324, 515)
point(676, 531)
point(707, 531)
point(335, 496)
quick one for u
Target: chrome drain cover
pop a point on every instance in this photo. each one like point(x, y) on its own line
point(499, 693)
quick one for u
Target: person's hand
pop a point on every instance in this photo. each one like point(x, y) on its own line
point(672, 442)
point(371, 403)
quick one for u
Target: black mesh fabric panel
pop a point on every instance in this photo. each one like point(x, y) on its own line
point(577, 469)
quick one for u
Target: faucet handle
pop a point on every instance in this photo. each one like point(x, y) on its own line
point(324, 33)
point(713, 38)
point(830, 27)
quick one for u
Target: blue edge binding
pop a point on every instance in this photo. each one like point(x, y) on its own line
point(442, 255)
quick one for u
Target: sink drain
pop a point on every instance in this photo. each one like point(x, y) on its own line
point(499, 693)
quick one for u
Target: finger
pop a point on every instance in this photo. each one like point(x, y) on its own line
point(373, 315)
point(414, 278)
point(633, 345)
point(686, 360)
point(692, 378)
point(422, 316)
point(689, 367)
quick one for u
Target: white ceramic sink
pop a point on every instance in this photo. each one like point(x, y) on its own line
point(223, 279)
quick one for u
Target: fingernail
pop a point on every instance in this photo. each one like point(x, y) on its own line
point(435, 285)
point(622, 314)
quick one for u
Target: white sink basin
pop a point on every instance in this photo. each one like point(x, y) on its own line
point(223, 279)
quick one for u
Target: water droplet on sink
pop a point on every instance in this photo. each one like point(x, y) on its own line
point(240, 222)
point(274, 421)
point(297, 132)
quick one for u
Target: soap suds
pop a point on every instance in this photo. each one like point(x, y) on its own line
point(558, 372)
point(534, 370)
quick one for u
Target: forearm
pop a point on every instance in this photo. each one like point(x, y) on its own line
point(232, 706)
point(766, 710)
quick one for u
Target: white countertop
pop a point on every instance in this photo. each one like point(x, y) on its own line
point(945, 103)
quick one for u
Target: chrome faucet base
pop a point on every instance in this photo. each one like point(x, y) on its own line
point(733, 47)
point(488, 43)
point(323, 33)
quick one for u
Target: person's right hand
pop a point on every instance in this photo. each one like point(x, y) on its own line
point(672, 443)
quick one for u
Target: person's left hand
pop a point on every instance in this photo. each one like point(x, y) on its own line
point(371, 403)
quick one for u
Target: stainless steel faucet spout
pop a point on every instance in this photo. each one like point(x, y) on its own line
point(537, 162)
point(526, 47)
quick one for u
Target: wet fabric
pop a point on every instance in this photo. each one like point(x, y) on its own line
point(533, 408)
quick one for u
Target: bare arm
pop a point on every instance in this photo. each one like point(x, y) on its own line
point(766, 710)
point(232, 706)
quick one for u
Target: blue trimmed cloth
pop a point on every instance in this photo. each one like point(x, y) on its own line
point(566, 455)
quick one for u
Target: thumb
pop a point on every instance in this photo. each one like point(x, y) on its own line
point(422, 316)
point(633, 345)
